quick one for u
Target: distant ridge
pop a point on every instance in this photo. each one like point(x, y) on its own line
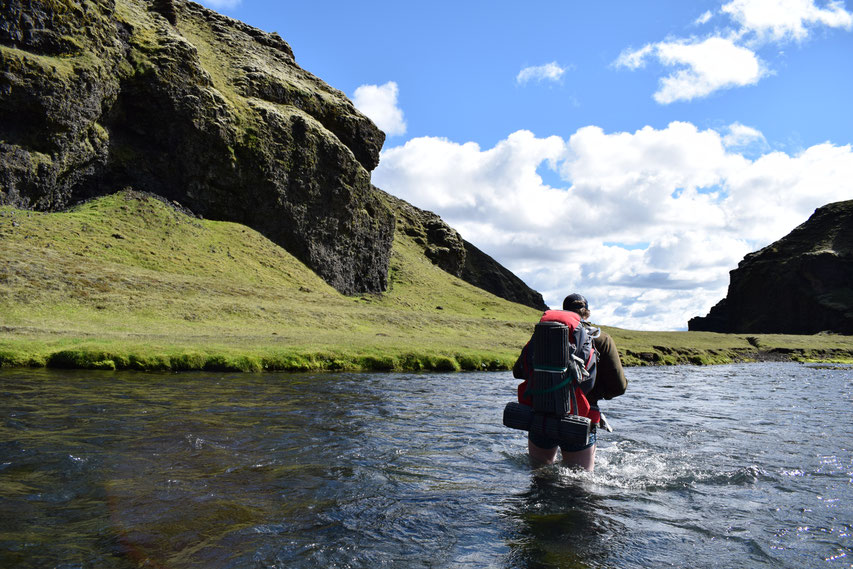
point(446, 248)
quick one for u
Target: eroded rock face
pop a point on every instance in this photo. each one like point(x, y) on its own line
point(445, 247)
point(177, 100)
point(801, 284)
point(482, 271)
point(168, 97)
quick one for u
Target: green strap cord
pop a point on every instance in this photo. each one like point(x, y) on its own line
point(550, 389)
point(550, 368)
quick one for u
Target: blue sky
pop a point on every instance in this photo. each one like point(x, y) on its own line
point(633, 151)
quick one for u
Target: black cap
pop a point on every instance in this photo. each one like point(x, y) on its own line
point(575, 302)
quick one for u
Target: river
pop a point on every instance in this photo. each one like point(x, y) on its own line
point(724, 466)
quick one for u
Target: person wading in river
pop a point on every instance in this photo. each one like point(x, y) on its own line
point(609, 382)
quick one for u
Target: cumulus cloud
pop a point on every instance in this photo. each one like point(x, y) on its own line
point(548, 72)
point(379, 103)
point(776, 20)
point(704, 67)
point(646, 223)
point(742, 136)
point(222, 4)
point(728, 58)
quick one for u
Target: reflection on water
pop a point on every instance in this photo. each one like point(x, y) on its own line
point(745, 465)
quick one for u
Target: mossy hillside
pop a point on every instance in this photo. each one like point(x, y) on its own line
point(812, 271)
point(197, 107)
point(130, 281)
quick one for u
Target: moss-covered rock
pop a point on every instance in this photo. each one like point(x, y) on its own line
point(445, 248)
point(175, 99)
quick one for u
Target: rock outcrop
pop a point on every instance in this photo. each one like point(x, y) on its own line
point(482, 271)
point(445, 247)
point(171, 98)
point(801, 284)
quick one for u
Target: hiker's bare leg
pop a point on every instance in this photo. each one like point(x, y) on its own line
point(584, 458)
point(542, 455)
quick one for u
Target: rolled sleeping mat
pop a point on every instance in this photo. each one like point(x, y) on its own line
point(551, 346)
point(518, 416)
point(572, 429)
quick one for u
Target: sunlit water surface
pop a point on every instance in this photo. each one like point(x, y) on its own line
point(728, 466)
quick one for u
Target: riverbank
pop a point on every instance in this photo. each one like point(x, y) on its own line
point(28, 347)
point(130, 282)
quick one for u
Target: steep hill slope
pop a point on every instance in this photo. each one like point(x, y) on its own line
point(131, 280)
point(98, 95)
point(445, 247)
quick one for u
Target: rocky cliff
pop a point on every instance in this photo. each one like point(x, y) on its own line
point(801, 284)
point(168, 97)
point(175, 99)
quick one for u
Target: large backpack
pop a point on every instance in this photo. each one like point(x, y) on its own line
point(562, 357)
point(559, 368)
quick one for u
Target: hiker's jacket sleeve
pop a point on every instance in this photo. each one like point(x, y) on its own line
point(519, 370)
point(610, 381)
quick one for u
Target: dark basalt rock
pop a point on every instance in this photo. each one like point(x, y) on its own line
point(482, 271)
point(166, 9)
point(172, 98)
point(801, 284)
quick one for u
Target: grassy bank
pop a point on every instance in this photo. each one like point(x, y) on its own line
point(704, 348)
point(129, 282)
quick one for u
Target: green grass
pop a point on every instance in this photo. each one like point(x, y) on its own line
point(701, 348)
point(128, 282)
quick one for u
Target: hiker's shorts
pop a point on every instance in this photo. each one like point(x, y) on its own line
point(546, 443)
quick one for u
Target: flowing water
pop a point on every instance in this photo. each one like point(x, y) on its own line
point(726, 466)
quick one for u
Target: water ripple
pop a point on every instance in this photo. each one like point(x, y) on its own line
point(710, 465)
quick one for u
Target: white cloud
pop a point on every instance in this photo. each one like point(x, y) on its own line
point(222, 4)
point(706, 66)
point(704, 18)
point(728, 59)
point(687, 204)
point(548, 72)
point(777, 20)
point(636, 58)
point(742, 136)
point(379, 103)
